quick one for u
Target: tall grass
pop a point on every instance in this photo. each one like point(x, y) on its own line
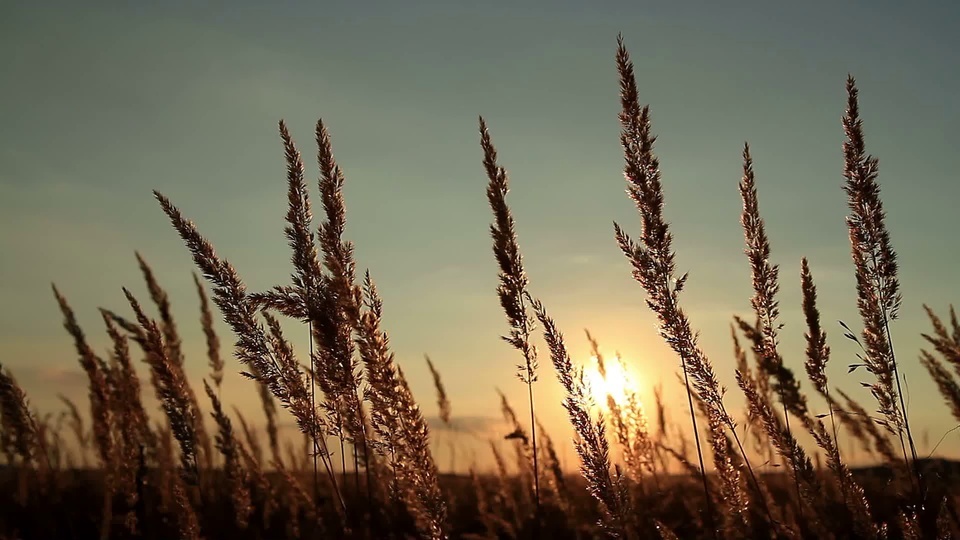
point(367, 468)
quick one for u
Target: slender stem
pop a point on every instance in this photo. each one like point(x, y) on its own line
point(393, 465)
point(917, 481)
point(796, 475)
point(903, 408)
point(693, 419)
point(533, 423)
point(366, 454)
point(533, 431)
point(836, 442)
point(753, 477)
point(366, 472)
point(318, 440)
point(343, 458)
point(769, 333)
point(324, 454)
point(833, 423)
point(696, 438)
point(313, 407)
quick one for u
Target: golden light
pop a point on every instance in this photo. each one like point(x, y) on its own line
point(609, 378)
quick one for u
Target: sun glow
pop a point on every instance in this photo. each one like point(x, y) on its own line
point(608, 377)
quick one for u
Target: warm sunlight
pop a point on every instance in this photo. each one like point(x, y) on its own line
point(609, 377)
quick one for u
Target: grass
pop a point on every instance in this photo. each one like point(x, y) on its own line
point(366, 468)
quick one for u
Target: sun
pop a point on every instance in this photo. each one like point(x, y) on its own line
point(609, 378)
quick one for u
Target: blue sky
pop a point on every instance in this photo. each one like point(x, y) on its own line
point(105, 102)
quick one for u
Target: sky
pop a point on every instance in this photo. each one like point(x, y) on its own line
point(105, 102)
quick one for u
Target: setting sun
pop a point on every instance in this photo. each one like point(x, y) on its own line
point(609, 377)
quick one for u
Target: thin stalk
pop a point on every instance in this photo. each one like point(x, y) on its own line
point(903, 450)
point(753, 477)
point(903, 408)
point(696, 438)
point(533, 436)
point(317, 439)
point(796, 475)
point(232, 290)
point(366, 473)
point(393, 465)
point(533, 423)
point(343, 457)
point(915, 480)
point(366, 455)
point(313, 407)
point(836, 441)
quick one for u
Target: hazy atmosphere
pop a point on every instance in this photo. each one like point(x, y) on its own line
point(106, 102)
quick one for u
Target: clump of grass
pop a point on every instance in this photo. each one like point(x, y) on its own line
point(404, 437)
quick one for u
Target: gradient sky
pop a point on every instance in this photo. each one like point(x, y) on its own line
point(103, 104)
